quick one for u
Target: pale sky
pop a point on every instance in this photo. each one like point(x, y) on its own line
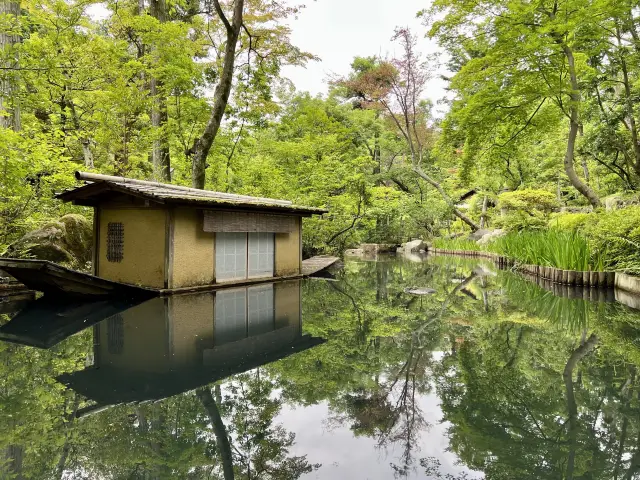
point(338, 30)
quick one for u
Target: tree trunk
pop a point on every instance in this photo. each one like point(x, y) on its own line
point(13, 456)
point(66, 448)
point(474, 226)
point(572, 408)
point(630, 122)
point(9, 101)
point(160, 156)
point(210, 406)
point(201, 146)
point(574, 126)
point(377, 168)
point(483, 215)
point(87, 154)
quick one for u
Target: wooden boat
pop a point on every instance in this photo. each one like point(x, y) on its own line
point(43, 323)
point(57, 281)
point(60, 282)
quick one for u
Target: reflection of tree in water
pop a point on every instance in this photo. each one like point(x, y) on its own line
point(249, 444)
point(524, 397)
point(386, 406)
point(432, 468)
point(390, 413)
point(558, 409)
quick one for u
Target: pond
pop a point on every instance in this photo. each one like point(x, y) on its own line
point(432, 368)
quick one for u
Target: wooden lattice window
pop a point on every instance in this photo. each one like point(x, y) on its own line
point(115, 241)
point(115, 334)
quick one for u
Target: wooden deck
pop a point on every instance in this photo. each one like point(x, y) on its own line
point(313, 265)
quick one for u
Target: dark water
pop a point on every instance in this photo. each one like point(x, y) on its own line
point(486, 376)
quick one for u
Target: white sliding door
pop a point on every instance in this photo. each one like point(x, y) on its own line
point(243, 312)
point(260, 309)
point(231, 256)
point(261, 254)
point(230, 316)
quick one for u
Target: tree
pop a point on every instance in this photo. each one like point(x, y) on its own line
point(201, 146)
point(397, 87)
point(527, 57)
point(160, 154)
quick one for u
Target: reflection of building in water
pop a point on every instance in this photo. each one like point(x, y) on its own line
point(168, 345)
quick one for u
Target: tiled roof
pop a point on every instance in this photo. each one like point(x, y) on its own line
point(175, 194)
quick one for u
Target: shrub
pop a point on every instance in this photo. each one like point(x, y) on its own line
point(528, 199)
point(525, 209)
point(616, 233)
point(569, 221)
point(522, 220)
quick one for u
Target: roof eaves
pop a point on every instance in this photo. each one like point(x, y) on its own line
point(224, 204)
point(166, 196)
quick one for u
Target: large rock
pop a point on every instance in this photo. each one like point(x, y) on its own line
point(375, 248)
point(478, 234)
point(490, 236)
point(417, 257)
point(67, 240)
point(414, 246)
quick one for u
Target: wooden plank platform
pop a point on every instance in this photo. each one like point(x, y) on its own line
point(316, 264)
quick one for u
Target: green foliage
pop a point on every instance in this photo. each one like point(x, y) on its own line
point(525, 209)
point(517, 220)
point(570, 221)
point(617, 233)
point(528, 199)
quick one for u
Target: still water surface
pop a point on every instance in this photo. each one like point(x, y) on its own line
point(484, 375)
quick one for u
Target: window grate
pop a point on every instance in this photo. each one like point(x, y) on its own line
point(115, 334)
point(115, 241)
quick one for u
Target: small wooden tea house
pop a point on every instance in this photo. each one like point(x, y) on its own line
point(166, 236)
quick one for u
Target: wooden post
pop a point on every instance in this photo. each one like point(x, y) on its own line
point(168, 248)
point(95, 255)
point(611, 279)
point(602, 279)
point(578, 278)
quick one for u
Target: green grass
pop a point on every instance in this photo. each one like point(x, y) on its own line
point(552, 248)
point(456, 244)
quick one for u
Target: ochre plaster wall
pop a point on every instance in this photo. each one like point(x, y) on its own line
point(287, 304)
point(193, 250)
point(144, 246)
point(191, 324)
point(288, 251)
point(145, 340)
